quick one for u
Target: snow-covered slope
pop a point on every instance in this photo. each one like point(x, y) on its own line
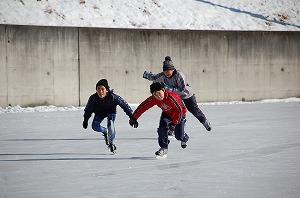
point(273, 15)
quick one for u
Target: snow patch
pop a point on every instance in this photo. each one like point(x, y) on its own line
point(293, 99)
point(51, 108)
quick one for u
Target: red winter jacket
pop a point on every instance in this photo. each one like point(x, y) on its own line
point(172, 105)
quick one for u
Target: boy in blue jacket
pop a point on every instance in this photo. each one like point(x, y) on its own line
point(103, 104)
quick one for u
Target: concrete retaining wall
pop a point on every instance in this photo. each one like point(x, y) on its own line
point(3, 68)
point(60, 66)
point(41, 65)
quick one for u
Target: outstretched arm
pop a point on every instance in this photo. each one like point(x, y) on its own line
point(124, 105)
point(152, 77)
point(144, 106)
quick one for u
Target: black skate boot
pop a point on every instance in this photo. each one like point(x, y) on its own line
point(161, 153)
point(106, 139)
point(112, 148)
point(207, 125)
point(185, 139)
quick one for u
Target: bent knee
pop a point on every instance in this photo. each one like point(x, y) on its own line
point(95, 126)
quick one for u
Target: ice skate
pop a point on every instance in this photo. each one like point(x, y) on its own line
point(207, 125)
point(183, 145)
point(161, 153)
point(112, 148)
point(106, 139)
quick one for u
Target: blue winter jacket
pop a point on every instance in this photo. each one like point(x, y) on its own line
point(103, 107)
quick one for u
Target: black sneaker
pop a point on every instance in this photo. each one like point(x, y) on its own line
point(112, 148)
point(183, 145)
point(106, 139)
point(207, 125)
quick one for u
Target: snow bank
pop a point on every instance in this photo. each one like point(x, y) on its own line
point(293, 99)
point(18, 109)
point(51, 108)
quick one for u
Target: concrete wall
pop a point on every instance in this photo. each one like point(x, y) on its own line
point(121, 56)
point(60, 66)
point(41, 65)
point(220, 65)
point(3, 73)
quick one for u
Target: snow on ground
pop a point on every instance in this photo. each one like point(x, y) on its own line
point(252, 151)
point(19, 109)
point(274, 15)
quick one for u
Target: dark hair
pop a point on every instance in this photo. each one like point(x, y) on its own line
point(104, 83)
point(156, 87)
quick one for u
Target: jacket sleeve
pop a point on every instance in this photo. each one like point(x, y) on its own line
point(89, 108)
point(144, 106)
point(124, 105)
point(156, 77)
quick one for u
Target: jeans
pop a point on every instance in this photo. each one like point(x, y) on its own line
point(110, 130)
point(164, 127)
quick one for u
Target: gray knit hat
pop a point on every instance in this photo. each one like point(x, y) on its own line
point(168, 64)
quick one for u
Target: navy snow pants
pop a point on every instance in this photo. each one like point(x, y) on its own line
point(191, 105)
point(163, 128)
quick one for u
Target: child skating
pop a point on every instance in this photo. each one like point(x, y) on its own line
point(103, 104)
point(175, 81)
point(172, 117)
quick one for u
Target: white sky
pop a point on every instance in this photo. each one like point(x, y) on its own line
point(270, 15)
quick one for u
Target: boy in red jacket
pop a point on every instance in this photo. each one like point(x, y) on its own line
point(172, 117)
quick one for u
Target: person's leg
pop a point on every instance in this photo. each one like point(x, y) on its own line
point(163, 131)
point(96, 125)
point(180, 133)
point(111, 127)
point(191, 105)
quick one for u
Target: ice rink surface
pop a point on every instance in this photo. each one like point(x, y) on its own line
point(252, 151)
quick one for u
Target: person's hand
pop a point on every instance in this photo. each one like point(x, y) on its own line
point(147, 75)
point(85, 124)
point(133, 122)
point(172, 127)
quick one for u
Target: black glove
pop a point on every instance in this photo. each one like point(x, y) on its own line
point(172, 127)
point(147, 75)
point(133, 122)
point(85, 124)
